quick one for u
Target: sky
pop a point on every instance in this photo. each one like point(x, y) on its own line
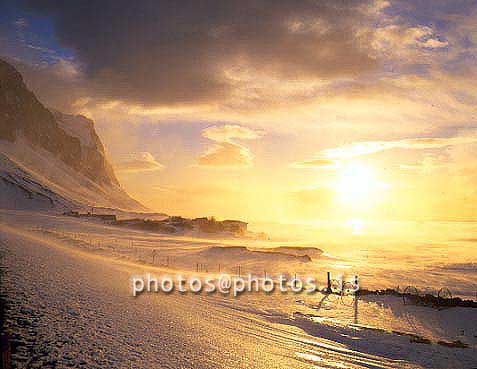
point(267, 111)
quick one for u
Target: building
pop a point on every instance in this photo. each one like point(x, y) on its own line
point(235, 226)
point(103, 217)
point(210, 225)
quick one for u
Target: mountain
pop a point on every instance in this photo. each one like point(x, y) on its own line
point(49, 159)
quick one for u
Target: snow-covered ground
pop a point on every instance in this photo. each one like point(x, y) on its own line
point(70, 304)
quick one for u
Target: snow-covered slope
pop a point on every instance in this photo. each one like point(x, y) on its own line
point(50, 159)
point(34, 168)
point(20, 190)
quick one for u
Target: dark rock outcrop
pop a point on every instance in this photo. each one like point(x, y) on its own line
point(22, 113)
point(93, 161)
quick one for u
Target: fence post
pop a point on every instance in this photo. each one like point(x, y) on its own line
point(329, 282)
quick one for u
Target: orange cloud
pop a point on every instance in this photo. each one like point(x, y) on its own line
point(228, 132)
point(226, 153)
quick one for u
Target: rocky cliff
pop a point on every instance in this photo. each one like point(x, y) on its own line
point(22, 113)
point(59, 150)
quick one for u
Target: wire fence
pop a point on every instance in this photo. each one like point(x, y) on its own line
point(337, 289)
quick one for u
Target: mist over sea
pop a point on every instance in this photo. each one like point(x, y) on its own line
point(385, 254)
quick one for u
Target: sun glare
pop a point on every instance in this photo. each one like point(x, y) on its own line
point(356, 185)
point(356, 225)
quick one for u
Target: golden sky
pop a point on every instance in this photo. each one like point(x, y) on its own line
point(291, 112)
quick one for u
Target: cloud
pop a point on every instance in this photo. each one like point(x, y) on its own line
point(328, 157)
point(178, 52)
point(41, 49)
point(21, 23)
point(429, 163)
point(141, 162)
point(65, 69)
point(316, 163)
point(405, 44)
point(226, 153)
point(227, 133)
point(192, 61)
point(434, 43)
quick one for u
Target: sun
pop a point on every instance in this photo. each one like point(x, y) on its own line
point(356, 185)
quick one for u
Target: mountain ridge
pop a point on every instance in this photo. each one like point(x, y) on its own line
point(57, 151)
